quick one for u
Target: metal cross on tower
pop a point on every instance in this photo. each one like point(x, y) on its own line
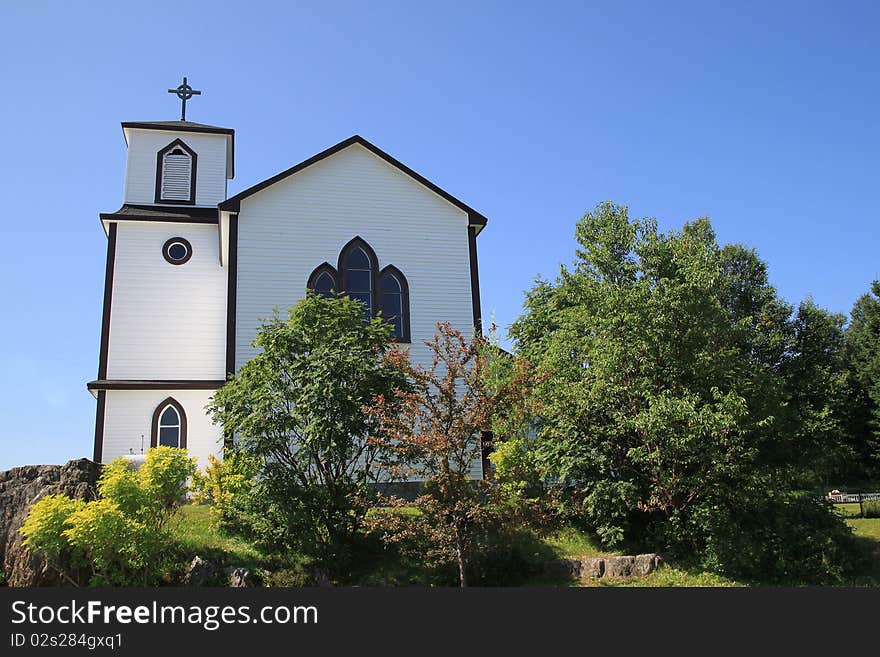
point(184, 92)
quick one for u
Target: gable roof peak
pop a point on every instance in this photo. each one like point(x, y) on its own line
point(233, 203)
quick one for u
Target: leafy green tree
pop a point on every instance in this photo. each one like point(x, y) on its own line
point(297, 409)
point(815, 377)
point(668, 411)
point(863, 379)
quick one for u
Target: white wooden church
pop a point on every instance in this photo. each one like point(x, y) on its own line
point(191, 272)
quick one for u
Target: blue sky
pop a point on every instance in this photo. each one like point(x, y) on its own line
point(763, 116)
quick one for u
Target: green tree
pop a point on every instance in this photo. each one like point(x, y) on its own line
point(815, 377)
point(297, 409)
point(863, 379)
point(668, 410)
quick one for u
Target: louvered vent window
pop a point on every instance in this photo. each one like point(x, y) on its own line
point(176, 175)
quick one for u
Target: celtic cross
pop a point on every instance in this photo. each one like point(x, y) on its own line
point(184, 92)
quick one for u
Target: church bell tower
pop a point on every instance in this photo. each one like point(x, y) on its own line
point(163, 330)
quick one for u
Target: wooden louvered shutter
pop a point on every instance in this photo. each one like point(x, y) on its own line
point(176, 176)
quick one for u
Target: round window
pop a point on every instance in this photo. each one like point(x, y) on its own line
point(177, 250)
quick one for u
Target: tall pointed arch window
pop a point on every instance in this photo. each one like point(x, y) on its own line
point(176, 174)
point(169, 425)
point(359, 266)
point(394, 301)
point(384, 292)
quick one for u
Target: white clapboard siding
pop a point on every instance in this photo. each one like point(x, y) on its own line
point(140, 169)
point(129, 413)
point(167, 321)
point(288, 229)
point(176, 177)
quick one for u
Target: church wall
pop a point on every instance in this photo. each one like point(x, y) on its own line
point(288, 229)
point(128, 416)
point(167, 321)
point(140, 173)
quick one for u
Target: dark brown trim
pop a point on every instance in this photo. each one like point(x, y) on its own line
point(181, 214)
point(167, 254)
point(475, 279)
point(99, 426)
point(108, 302)
point(404, 299)
point(154, 427)
point(183, 127)
point(233, 203)
point(231, 294)
point(192, 174)
point(174, 384)
point(160, 219)
point(320, 269)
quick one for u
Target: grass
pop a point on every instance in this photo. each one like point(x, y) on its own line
point(572, 542)
point(196, 533)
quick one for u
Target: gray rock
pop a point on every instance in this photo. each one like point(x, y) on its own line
point(619, 566)
point(563, 568)
point(19, 489)
point(592, 567)
point(645, 564)
point(199, 573)
point(238, 577)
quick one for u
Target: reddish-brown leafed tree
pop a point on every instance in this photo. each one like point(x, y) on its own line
point(436, 429)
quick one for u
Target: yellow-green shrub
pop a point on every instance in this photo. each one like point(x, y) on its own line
point(154, 491)
point(43, 528)
point(119, 537)
point(222, 484)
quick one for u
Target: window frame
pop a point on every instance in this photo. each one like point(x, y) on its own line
point(323, 268)
point(358, 242)
point(340, 281)
point(171, 242)
point(157, 414)
point(160, 156)
point(391, 270)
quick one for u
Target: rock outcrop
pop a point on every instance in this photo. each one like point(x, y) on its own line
point(21, 487)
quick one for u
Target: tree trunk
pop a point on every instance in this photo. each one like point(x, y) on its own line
point(462, 575)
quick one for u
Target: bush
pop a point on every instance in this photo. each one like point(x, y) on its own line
point(45, 523)
point(119, 538)
point(783, 538)
point(871, 509)
point(119, 549)
point(154, 491)
point(224, 485)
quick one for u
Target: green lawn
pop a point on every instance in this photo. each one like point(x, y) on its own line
point(196, 533)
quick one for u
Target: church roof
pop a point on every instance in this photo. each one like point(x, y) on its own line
point(233, 203)
point(129, 212)
point(184, 126)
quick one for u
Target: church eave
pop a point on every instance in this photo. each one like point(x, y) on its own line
point(172, 384)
